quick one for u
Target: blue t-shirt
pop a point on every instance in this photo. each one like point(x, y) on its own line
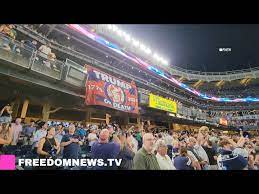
point(182, 163)
point(81, 132)
point(29, 130)
point(71, 151)
point(105, 151)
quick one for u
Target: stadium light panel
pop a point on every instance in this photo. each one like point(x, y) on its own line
point(135, 43)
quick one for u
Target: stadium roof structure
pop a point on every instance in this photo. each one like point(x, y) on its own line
point(163, 73)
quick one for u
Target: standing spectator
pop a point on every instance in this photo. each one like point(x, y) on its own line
point(105, 149)
point(144, 158)
point(5, 114)
point(92, 137)
point(126, 153)
point(10, 33)
point(17, 129)
point(81, 131)
point(198, 152)
point(212, 155)
point(184, 161)
point(133, 142)
point(164, 161)
point(227, 160)
point(42, 132)
point(60, 133)
point(71, 144)
point(29, 130)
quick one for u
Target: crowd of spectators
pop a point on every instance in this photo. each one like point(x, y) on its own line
point(141, 147)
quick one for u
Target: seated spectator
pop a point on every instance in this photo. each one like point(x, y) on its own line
point(71, 143)
point(17, 129)
point(48, 146)
point(5, 114)
point(164, 161)
point(29, 130)
point(144, 158)
point(103, 149)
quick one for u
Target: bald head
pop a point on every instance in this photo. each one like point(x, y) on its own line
point(104, 135)
point(148, 142)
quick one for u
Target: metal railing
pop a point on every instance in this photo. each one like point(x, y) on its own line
point(20, 54)
point(43, 65)
point(15, 52)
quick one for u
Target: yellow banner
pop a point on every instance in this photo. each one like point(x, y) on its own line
point(162, 103)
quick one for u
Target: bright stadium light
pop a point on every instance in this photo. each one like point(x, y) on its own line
point(142, 47)
point(127, 37)
point(135, 43)
point(119, 32)
point(110, 27)
point(165, 62)
point(156, 57)
point(114, 28)
point(148, 51)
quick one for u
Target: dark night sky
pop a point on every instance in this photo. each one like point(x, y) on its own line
point(195, 46)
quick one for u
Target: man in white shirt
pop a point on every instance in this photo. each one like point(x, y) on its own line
point(45, 50)
point(199, 152)
point(42, 132)
point(163, 159)
point(17, 129)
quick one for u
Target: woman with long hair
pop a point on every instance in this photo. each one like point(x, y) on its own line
point(6, 135)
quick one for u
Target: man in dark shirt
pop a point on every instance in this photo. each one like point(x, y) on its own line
point(103, 149)
point(71, 144)
point(212, 155)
